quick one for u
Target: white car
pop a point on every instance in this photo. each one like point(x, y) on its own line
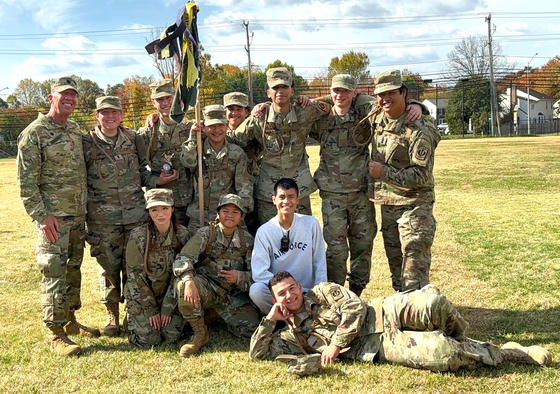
point(443, 129)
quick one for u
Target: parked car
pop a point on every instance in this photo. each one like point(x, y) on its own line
point(443, 129)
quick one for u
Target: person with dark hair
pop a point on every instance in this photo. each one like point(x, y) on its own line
point(418, 329)
point(287, 242)
point(402, 164)
point(281, 134)
point(224, 166)
point(160, 150)
point(152, 314)
point(115, 204)
point(213, 270)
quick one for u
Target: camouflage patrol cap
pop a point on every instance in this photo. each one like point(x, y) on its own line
point(65, 83)
point(108, 102)
point(278, 76)
point(236, 98)
point(162, 88)
point(230, 199)
point(344, 81)
point(387, 80)
point(159, 197)
point(303, 365)
point(214, 114)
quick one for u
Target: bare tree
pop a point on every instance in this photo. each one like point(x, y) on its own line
point(165, 66)
point(470, 58)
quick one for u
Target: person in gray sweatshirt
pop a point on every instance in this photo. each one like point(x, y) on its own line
point(287, 242)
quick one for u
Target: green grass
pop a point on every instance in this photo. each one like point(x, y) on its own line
point(496, 256)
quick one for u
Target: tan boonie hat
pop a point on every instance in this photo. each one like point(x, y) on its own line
point(65, 83)
point(387, 80)
point(108, 102)
point(344, 81)
point(278, 76)
point(236, 98)
point(159, 197)
point(214, 114)
point(231, 199)
point(162, 88)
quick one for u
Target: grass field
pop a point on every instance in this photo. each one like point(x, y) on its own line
point(496, 256)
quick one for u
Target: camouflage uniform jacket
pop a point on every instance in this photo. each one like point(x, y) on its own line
point(152, 150)
point(344, 148)
point(252, 151)
point(224, 254)
point(51, 170)
point(331, 315)
point(406, 150)
point(152, 288)
point(223, 172)
point(115, 193)
point(283, 140)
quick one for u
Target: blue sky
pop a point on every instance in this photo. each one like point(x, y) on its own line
point(31, 44)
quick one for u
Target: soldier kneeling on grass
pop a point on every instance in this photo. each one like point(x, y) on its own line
point(214, 271)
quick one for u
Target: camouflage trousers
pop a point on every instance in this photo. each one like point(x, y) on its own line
point(182, 215)
point(408, 234)
point(108, 246)
point(237, 311)
point(348, 226)
point(266, 210)
point(142, 334)
point(59, 263)
point(423, 330)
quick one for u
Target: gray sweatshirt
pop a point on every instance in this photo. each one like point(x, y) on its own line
point(305, 259)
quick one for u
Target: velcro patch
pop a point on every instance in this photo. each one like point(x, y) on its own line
point(336, 293)
point(422, 153)
point(323, 107)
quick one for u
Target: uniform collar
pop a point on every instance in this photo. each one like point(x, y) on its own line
point(274, 117)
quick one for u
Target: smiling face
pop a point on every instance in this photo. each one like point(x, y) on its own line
point(280, 94)
point(286, 201)
point(216, 134)
point(289, 293)
point(161, 215)
point(236, 114)
point(392, 102)
point(109, 119)
point(63, 103)
point(229, 216)
point(342, 98)
point(163, 104)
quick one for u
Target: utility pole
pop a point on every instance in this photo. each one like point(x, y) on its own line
point(529, 97)
point(248, 50)
point(494, 101)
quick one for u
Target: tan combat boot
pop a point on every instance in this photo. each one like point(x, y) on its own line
point(513, 352)
point(61, 344)
point(112, 327)
point(198, 339)
point(75, 328)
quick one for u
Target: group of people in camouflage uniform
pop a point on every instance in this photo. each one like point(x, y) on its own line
point(154, 253)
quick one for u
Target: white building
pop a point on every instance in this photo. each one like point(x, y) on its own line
point(441, 107)
point(542, 106)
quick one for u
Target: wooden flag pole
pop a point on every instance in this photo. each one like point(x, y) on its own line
point(199, 153)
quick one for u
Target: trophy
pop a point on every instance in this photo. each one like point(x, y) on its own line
point(167, 165)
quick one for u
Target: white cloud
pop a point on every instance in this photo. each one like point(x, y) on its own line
point(553, 27)
point(75, 54)
point(512, 28)
point(427, 31)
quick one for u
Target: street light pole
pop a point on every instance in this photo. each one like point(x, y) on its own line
point(528, 97)
point(463, 80)
point(2, 89)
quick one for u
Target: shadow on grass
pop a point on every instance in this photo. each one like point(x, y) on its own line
point(529, 327)
point(221, 340)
